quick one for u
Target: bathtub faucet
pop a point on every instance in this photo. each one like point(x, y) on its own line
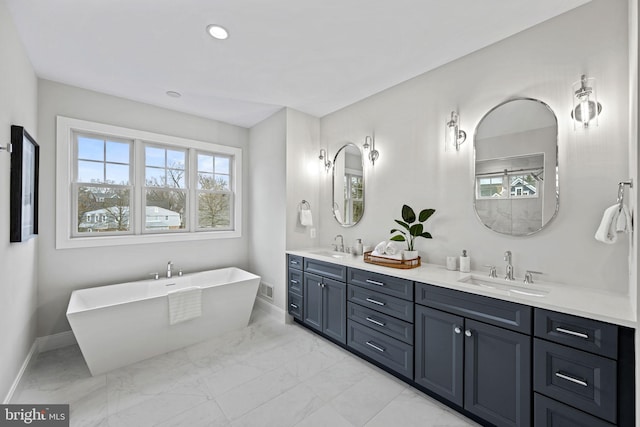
point(169, 272)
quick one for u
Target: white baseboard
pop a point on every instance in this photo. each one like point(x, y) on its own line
point(52, 342)
point(40, 345)
point(27, 361)
point(273, 310)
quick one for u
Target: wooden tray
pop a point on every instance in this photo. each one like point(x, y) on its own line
point(393, 263)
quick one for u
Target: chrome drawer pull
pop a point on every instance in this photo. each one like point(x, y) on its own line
point(375, 322)
point(380, 349)
point(293, 306)
point(373, 282)
point(574, 333)
point(295, 282)
point(375, 302)
point(294, 262)
point(573, 380)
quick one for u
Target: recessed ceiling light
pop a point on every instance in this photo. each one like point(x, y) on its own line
point(217, 32)
point(174, 94)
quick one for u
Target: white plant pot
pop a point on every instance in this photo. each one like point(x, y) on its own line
point(409, 255)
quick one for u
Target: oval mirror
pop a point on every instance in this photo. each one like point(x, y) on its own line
point(348, 185)
point(516, 167)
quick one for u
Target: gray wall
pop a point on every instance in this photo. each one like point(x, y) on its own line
point(414, 168)
point(18, 286)
point(62, 271)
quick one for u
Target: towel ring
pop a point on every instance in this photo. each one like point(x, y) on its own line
point(304, 205)
point(621, 185)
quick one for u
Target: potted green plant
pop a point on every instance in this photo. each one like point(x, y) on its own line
point(412, 229)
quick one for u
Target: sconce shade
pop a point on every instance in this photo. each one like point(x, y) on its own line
point(586, 107)
point(453, 136)
point(325, 159)
point(370, 144)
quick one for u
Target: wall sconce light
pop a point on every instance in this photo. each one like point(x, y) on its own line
point(454, 137)
point(586, 107)
point(325, 158)
point(370, 145)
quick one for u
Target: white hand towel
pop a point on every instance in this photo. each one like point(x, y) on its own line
point(623, 224)
point(306, 218)
point(607, 231)
point(338, 215)
point(379, 249)
point(184, 304)
point(396, 257)
point(392, 248)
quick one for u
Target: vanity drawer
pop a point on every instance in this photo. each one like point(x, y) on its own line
point(393, 354)
point(326, 269)
point(294, 261)
point(393, 286)
point(579, 332)
point(295, 305)
point(550, 413)
point(577, 378)
point(396, 307)
point(380, 322)
point(505, 314)
point(295, 281)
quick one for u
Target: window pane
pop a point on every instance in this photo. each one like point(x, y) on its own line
point(102, 209)
point(205, 163)
point(117, 152)
point(154, 156)
point(90, 171)
point(90, 148)
point(222, 165)
point(155, 177)
point(175, 159)
point(165, 209)
point(222, 182)
point(175, 178)
point(117, 174)
point(206, 181)
point(214, 210)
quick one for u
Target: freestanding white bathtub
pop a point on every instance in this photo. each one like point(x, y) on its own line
point(117, 325)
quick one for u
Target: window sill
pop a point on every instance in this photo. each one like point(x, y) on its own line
point(140, 239)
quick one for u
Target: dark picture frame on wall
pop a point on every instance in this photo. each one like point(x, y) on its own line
point(23, 203)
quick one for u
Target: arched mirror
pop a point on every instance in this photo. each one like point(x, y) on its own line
point(348, 185)
point(516, 167)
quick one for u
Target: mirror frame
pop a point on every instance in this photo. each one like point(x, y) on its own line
point(333, 183)
point(556, 175)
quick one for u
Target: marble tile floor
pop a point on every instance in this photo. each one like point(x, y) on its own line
point(267, 375)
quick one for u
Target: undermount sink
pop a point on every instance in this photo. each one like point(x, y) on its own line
point(505, 286)
point(332, 254)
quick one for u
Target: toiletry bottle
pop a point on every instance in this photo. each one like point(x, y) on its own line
point(357, 248)
point(465, 262)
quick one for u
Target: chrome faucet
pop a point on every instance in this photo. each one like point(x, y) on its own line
point(169, 272)
point(509, 268)
point(341, 247)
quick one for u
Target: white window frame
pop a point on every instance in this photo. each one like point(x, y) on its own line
point(66, 126)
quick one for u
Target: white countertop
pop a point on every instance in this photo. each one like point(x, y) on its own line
point(584, 302)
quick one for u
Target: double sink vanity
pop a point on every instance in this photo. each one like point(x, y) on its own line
point(501, 352)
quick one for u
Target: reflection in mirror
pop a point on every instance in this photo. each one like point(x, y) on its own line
point(516, 167)
point(348, 185)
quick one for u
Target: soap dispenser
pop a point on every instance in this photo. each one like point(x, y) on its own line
point(465, 262)
point(357, 248)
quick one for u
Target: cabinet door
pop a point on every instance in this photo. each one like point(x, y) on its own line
point(497, 384)
point(312, 310)
point(334, 310)
point(439, 353)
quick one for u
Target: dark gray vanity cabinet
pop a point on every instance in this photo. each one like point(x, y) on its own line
point(583, 372)
point(324, 303)
point(294, 286)
point(475, 351)
point(380, 319)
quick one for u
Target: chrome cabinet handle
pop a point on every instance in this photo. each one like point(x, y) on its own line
point(373, 282)
point(468, 332)
point(377, 347)
point(295, 282)
point(571, 379)
point(573, 333)
point(294, 262)
point(293, 306)
point(375, 322)
point(457, 329)
point(375, 302)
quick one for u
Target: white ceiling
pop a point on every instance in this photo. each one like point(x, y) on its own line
point(315, 56)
